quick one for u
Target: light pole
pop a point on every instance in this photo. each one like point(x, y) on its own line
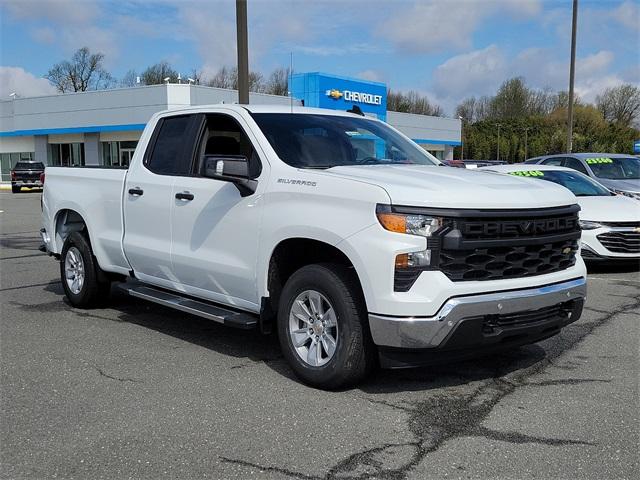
point(498, 153)
point(572, 74)
point(243, 51)
point(461, 137)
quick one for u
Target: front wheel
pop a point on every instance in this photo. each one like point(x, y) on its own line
point(84, 283)
point(15, 188)
point(322, 327)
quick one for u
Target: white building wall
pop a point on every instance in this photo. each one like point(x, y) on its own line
point(17, 144)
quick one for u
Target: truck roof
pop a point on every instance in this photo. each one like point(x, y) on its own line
point(262, 109)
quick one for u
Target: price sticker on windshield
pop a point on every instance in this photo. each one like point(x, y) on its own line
point(527, 173)
point(592, 161)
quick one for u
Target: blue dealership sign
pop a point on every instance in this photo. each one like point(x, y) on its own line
point(340, 93)
point(636, 146)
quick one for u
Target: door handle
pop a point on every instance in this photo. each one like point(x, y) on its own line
point(185, 196)
point(137, 191)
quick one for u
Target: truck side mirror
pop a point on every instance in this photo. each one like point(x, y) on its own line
point(230, 168)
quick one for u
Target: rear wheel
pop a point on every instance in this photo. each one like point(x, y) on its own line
point(322, 327)
point(84, 283)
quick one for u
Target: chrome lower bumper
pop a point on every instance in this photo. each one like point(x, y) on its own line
point(431, 332)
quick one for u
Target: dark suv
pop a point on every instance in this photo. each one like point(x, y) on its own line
point(26, 174)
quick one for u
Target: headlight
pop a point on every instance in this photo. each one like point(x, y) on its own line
point(587, 225)
point(422, 225)
point(409, 265)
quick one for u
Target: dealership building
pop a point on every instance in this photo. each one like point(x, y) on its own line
point(103, 127)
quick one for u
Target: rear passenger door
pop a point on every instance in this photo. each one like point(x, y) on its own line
point(148, 198)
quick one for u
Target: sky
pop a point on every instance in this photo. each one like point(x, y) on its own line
point(445, 49)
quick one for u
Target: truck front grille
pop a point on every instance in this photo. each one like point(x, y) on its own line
point(496, 245)
point(621, 242)
point(497, 263)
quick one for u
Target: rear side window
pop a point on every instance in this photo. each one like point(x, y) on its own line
point(170, 154)
point(29, 166)
point(575, 164)
point(557, 161)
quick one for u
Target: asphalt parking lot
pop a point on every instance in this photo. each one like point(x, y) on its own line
point(135, 390)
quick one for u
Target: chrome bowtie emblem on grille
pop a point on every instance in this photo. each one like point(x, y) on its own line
point(636, 230)
point(566, 250)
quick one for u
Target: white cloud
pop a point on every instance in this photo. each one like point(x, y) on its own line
point(67, 11)
point(23, 83)
point(473, 73)
point(44, 35)
point(628, 14)
point(481, 72)
point(369, 75)
point(434, 25)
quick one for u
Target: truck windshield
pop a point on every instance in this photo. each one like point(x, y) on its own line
point(617, 168)
point(325, 141)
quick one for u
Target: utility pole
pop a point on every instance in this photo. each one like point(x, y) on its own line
point(498, 154)
point(243, 51)
point(461, 137)
point(572, 74)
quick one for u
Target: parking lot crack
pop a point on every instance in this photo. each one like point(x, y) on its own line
point(113, 377)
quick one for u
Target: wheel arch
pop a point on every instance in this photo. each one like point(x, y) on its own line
point(291, 254)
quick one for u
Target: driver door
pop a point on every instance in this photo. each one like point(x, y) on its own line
point(216, 231)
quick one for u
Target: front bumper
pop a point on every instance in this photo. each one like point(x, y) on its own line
point(475, 321)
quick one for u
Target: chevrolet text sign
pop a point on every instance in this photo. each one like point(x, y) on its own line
point(340, 93)
point(357, 97)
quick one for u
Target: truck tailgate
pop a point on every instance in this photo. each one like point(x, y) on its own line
point(95, 194)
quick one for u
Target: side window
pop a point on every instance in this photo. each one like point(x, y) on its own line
point(223, 136)
point(170, 155)
point(575, 164)
point(553, 161)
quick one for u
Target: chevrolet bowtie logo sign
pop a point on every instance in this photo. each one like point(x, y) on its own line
point(357, 97)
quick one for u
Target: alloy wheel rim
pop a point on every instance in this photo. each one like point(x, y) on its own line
point(313, 328)
point(74, 270)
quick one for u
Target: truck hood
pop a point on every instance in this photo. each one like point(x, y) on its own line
point(622, 185)
point(446, 187)
point(609, 209)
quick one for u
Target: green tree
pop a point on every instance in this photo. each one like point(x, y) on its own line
point(157, 73)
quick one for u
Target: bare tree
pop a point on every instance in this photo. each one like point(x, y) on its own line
point(227, 77)
point(156, 74)
point(278, 82)
point(129, 79)
point(620, 104)
point(83, 72)
point(412, 102)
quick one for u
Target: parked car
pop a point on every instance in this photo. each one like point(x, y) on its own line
point(331, 227)
point(610, 222)
point(26, 173)
point(481, 163)
point(618, 172)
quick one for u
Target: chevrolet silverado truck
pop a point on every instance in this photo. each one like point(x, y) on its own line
point(353, 243)
point(26, 173)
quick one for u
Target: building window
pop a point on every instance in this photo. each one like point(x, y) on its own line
point(118, 154)
point(66, 154)
point(9, 160)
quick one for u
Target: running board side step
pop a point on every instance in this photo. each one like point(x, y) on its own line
point(176, 301)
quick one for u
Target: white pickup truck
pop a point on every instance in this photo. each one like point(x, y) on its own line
point(355, 244)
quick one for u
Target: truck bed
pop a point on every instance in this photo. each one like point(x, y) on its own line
point(96, 194)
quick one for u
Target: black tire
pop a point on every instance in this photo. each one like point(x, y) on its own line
point(96, 286)
point(354, 355)
point(15, 188)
